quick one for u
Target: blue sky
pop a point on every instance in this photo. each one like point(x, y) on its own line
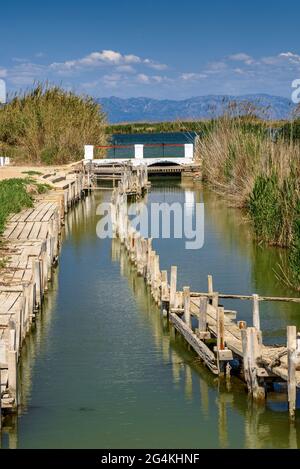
point(155, 48)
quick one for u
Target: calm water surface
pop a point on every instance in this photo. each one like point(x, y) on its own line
point(101, 370)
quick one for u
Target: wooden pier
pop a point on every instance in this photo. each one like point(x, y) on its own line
point(30, 247)
point(226, 346)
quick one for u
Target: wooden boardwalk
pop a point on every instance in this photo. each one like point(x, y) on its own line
point(30, 248)
point(225, 345)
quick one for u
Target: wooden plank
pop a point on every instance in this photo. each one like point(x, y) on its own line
point(10, 227)
point(34, 234)
point(43, 231)
point(26, 231)
point(247, 297)
point(16, 233)
point(200, 348)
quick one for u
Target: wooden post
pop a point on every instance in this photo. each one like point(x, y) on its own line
point(292, 351)
point(149, 250)
point(164, 297)
point(13, 374)
point(173, 286)
point(164, 286)
point(210, 284)
point(203, 315)
point(251, 354)
point(256, 316)
point(157, 278)
point(215, 300)
point(187, 306)
point(220, 329)
point(37, 281)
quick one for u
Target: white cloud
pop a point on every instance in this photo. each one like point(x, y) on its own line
point(155, 65)
point(3, 72)
point(142, 78)
point(97, 59)
point(192, 76)
point(241, 57)
point(126, 69)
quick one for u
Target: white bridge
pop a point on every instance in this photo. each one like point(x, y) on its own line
point(139, 158)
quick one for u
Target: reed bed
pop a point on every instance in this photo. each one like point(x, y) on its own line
point(258, 171)
point(48, 125)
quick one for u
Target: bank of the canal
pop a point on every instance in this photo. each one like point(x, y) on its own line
point(101, 369)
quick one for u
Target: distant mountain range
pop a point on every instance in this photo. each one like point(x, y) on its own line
point(199, 107)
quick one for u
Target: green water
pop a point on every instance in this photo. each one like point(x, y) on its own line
point(101, 370)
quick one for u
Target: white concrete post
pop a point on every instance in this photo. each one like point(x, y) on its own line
point(88, 152)
point(2, 160)
point(189, 151)
point(139, 151)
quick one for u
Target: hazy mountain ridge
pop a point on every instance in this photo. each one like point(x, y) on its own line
point(199, 107)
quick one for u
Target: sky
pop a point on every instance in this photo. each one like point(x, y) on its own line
point(154, 48)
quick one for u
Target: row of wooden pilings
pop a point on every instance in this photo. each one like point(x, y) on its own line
point(32, 292)
point(178, 304)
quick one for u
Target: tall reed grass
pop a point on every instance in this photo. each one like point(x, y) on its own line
point(260, 172)
point(49, 125)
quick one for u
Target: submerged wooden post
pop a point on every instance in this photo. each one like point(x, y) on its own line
point(292, 351)
point(173, 286)
point(251, 354)
point(149, 250)
point(13, 374)
point(187, 306)
point(164, 293)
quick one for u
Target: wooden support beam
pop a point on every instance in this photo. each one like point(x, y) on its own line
point(292, 359)
point(215, 300)
point(220, 328)
point(251, 354)
point(173, 286)
point(12, 357)
point(203, 314)
point(187, 306)
point(37, 279)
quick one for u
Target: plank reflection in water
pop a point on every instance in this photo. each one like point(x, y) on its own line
point(229, 395)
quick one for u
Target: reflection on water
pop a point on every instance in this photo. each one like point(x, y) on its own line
point(102, 368)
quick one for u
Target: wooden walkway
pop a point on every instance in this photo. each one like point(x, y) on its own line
point(225, 345)
point(30, 248)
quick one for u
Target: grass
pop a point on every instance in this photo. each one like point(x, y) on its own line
point(15, 195)
point(49, 125)
point(32, 173)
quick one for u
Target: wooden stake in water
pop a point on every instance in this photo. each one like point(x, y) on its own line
point(292, 350)
point(173, 286)
point(187, 306)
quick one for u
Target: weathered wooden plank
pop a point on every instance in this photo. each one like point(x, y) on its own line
point(200, 348)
